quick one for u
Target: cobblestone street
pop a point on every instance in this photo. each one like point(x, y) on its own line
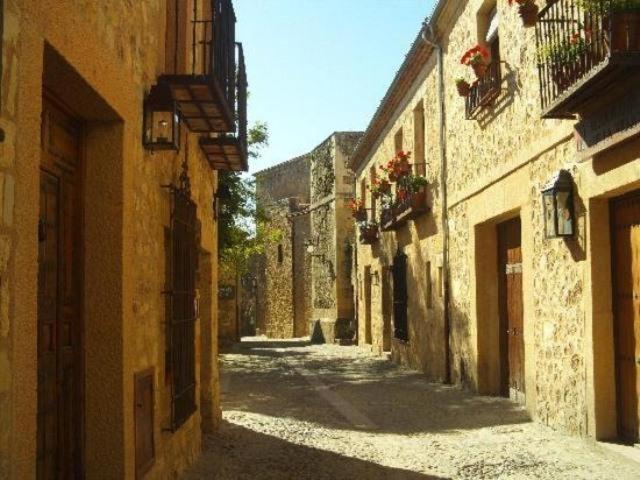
point(294, 411)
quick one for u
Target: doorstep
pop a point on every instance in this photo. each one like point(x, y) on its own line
point(628, 452)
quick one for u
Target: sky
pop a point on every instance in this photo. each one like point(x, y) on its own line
point(319, 66)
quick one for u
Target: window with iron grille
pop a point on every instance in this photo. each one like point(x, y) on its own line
point(182, 265)
point(400, 320)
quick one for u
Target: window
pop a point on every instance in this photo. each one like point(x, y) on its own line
point(182, 265)
point(429, 288)
point(418, 140)
point(372, 177)
point(280, 254)
point(400, 317)
point(399, 141)
point(363, 191)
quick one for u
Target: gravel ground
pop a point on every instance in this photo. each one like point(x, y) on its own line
point(294, 411)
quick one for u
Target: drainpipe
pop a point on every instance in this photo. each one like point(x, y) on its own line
point(428, 37)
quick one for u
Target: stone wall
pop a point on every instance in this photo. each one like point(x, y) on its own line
point(497, 164)
point(332, 185)
point(99, 59)
point(289, 179)
point(229, 301)
point(279, 304)
point(420, 240)
point(282, 295)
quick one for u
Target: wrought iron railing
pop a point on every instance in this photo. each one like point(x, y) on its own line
point(484, 90)
point(242, 120)
point(211, 50)
point(575, 37)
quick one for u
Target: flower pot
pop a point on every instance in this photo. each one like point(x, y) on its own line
point(369, 234)
point(479, 69)
point(528, 13)
point(360, 215)
point(463, 89)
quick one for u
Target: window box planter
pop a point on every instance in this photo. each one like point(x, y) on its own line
point(369, 234)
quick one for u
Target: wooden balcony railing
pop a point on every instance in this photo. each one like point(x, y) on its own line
point(201, 68)
point(583, 48)
point(484, 91)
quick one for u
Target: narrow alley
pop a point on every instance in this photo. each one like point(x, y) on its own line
point(297, 411)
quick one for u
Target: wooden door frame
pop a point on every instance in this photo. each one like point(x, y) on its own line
point(613, 203)
point(50, 97)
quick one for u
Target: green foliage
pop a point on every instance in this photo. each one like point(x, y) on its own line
point(602, 6)
point(563, 52)
point(242, 230)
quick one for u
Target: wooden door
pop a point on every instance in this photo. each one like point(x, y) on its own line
point(59, 317)
point(367, 305)
point(511, 308)
point(625, 215)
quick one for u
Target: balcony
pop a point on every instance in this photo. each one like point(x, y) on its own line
point(401, 211)
point(229, 151)
point(585, 48)
point(200, 66)
point(484, 91)
point(369, 233)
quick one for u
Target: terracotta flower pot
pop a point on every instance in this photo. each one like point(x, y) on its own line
point(463, 89)
point(479, 69)
point(528, 13)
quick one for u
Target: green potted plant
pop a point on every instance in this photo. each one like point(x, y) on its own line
point(564, 58)
point(620, 19)
point(528, 11)
point(464, 87)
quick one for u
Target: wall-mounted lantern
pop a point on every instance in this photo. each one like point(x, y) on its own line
point(557, 202)
point(161, 123)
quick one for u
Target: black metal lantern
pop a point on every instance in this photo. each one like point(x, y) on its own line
point(557, 204)
point(161, 124)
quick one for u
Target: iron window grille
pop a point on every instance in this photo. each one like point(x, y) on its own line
point(484, 91)
point(181, 309)
point(400, 314)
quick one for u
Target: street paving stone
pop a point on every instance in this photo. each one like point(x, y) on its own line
point(296, 411)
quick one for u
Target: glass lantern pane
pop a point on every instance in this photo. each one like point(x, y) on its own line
point(549, 211)
point(565, 220)
point(162, 127)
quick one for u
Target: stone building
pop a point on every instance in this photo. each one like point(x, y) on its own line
point(496, 286)
point(330, 244)
point(108, 264)
point(303, 281)
point(283, 292)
